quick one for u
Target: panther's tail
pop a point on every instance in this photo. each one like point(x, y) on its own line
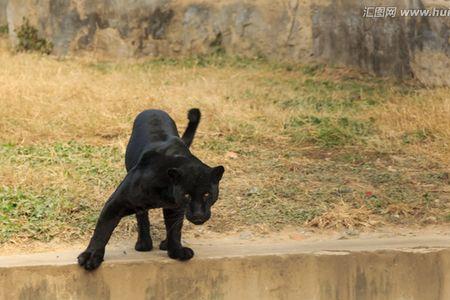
point(194, 119)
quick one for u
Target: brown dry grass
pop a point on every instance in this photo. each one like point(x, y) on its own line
point(325, 147)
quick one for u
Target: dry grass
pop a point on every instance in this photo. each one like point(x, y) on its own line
point(343, 215)
point(319, 146)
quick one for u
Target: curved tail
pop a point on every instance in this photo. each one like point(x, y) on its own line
point(194, 116)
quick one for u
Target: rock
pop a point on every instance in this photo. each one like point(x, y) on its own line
point(352, 232)
point(343, 190)
point(391, 169)
point(431, 220)
point(253, 191)
point(395, 216)
point(349, 233)
point(231, 155)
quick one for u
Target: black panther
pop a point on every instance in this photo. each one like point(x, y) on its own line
point(161, 173)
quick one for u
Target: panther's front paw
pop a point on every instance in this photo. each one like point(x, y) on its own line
point(143, 245)
point(163, 245)
point(91, 260)
point(183, 253)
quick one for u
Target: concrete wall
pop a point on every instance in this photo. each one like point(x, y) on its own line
point(331, 31)
point(326, 275)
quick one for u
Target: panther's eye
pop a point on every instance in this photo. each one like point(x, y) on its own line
point(206, 195)
point(187, 196)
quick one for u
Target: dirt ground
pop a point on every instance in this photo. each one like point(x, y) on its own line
point(252, 236)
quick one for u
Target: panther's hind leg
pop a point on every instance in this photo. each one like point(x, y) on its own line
point(144, 241)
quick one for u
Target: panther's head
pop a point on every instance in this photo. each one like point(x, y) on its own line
point(196, 186)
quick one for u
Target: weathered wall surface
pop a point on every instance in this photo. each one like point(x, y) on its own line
point(292, 30)
point(163, 27)
point(3, 20)
point(330, 275)
point(401, 46)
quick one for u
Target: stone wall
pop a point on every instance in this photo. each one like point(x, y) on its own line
point(331, 31)
point(170, 28)
point(402, 46)
point(3, 20)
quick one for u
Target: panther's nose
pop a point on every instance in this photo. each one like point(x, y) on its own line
point(197, 219)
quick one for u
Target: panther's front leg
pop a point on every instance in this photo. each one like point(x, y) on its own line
point(110, 216)
point(144, 242)
point(173, 219)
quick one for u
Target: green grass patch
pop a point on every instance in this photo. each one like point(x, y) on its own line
point(29, 39)
point(103, 67)
point(216, 59)
point(279, 211)
point(4, 29)
point(333, 96)
point(41, 215)
point(417, 136)
point(329, 132)
point(92, 163)
point(63, 202)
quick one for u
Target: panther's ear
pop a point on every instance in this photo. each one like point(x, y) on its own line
point(148, 157)
point(216, 174)
point(175, 175)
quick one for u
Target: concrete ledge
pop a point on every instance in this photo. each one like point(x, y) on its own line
point(342, 269)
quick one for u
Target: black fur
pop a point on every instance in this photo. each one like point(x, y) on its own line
point(162, 173)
